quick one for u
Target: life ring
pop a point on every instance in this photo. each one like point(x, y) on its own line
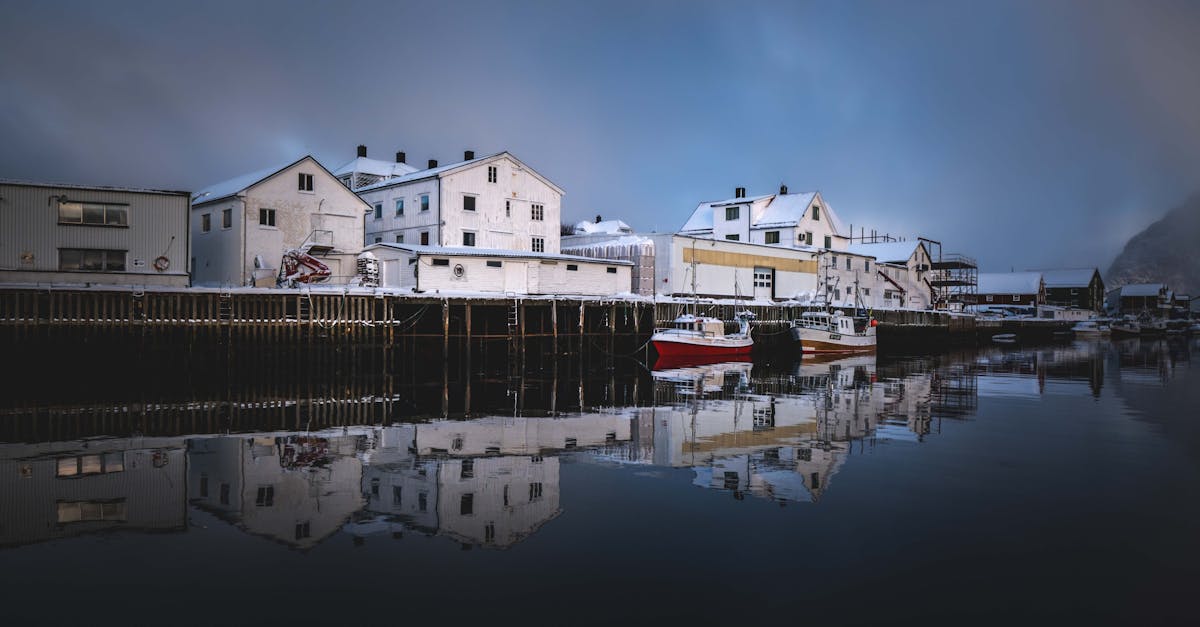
point(162, 263)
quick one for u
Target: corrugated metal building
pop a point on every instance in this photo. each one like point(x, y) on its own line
point(76, 234)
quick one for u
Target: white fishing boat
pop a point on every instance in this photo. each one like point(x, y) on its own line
point(1091, 328)
point(1125, 327)
point(834, 332)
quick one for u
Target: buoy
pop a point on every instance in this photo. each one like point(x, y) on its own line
point(874, 322)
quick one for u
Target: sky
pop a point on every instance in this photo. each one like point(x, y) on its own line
point(1024, 133)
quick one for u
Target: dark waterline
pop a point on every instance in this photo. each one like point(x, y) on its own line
point(151, 482)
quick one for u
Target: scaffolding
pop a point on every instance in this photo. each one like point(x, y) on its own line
point(954, 278)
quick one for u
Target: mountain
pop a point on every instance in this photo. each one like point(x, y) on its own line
point(1167, 251)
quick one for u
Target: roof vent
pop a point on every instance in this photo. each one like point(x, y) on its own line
point(362, 150)
point(468, 155)
point(400, 157)
point(782, 189)
point(432, 163)
point(739, 192)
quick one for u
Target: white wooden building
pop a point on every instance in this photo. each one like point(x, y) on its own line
point(88, 235)
point(719, 268)
point(902, 272)
point(783, 219)
point(242, 227)
point(494, 202)
point(437, 269)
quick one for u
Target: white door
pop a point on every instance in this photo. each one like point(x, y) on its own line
point(764, 283)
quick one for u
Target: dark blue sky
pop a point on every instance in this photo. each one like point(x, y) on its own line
point(1026, 133)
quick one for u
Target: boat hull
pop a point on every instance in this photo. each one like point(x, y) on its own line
point(701, 348)
point(814, 341)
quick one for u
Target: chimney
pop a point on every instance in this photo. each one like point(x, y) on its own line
point(362, 150)
point(597, 218)
point(432, 163)
point(468, 155)
point(782, 189)
point(739, 192)
point(400, 157)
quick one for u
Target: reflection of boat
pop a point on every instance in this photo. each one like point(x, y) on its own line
point(703, 337)
point(834, 332)
point(708, 377)
point(668, 362)
point(1156, 326)
point(1091, 328)
point(1005, 338)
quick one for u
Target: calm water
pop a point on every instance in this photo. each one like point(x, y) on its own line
point(149, 484)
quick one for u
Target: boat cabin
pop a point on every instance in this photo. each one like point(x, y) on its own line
point(832, 322)
point(700, 325)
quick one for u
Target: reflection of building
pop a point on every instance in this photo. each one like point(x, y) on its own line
point(64, 489)
point(483, 482)
point(294, 489)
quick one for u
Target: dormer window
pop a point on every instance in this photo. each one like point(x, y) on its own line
point(733, 213)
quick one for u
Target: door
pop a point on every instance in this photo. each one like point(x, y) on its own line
point(764, 283)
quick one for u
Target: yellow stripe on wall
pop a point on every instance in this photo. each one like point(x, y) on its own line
point(742, 260)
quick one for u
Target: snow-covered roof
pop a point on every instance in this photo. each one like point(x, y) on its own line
point(702, 217)
point(778, 210)
point(99, 188)
point(375, 167)
point(1009, 282)
point(1071, 277)
point(421, 175)
point(471, 251)
point(613, 227)
point(1141, 289)
point(228, 188)
point(886, 252)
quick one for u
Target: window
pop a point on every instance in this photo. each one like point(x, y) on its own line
point(266, 217)
point(816, 212)
point(772, 237)
point(424, 202)
point(306, 182)
point(535, 491)
point(265, 497)
point(468, 238)
point(424, 238)
point(90, 260)
point(399, 238)
point(508, 208)
point(833, 262)
point(441, 262)
point(733, 238)
point(612, 270)
point(224, 494)
point(489, 532)
point(467, 469)
point(867, 265)
point(399, 206)
point(378, 240)
point(226, 218)
point(988, 298)
point(422, 500)
point(837, 293)
point(539, 245)
point(303, 530)
point(866, 291)
point(537, 213)
point(1016, 298)
point(763, 277)
point(466, 505)
point(90, 464)
point(828, 242)
point(206, 222)
point(808, 237)
point(493, 264)
point(396, 494)
point(491, 174)
point(90, 511)
point(848, 262)
point(468, 203)
point(733, 213)
point(572, 267)
point(95, 214)
point(378, 211)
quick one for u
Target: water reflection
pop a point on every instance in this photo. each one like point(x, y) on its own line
point(395, 461)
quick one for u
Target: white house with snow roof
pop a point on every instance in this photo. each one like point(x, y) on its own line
point(494, 202)
point(782, 219)
point(362, 172)
point(241, 227)
point(901, 270)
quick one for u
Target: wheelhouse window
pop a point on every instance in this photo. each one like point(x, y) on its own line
point(537, 212)
point(468, 203)
point(90, 260)
point(93, 214)
point(266, 217)
point(539, 245)
point(306, 182)
point(733, 213)
point(772, 237)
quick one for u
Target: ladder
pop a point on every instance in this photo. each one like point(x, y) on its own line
point(514, 339)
